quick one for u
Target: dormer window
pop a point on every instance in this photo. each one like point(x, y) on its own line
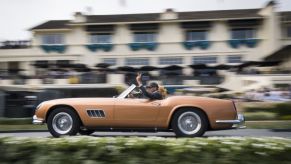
point(243, 33)
point(243, 36)
point(53, 39)
point(53, 43)
point(144, 37)
point(100, 38)
point(196, 35)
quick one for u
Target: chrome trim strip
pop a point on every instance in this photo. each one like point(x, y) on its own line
point(239, 122)
point(126, 92)
point(37, 121)
point(228, 121)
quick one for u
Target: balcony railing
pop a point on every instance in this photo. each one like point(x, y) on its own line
point(20, 44)
point(250, 43)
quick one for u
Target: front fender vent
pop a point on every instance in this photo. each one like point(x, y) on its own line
point(96, 113)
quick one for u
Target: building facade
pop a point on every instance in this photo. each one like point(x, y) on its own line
point(155, 39)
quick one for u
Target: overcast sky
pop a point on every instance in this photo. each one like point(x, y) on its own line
point(17, 16)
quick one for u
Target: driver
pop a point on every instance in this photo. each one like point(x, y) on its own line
point(152, 91)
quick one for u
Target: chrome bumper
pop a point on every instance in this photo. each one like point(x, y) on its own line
point(238, 123)
point(37, 121)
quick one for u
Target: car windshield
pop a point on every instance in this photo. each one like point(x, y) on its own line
point(127, 91)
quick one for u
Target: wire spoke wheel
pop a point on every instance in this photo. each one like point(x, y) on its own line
point(62, 123)
point(189, 123)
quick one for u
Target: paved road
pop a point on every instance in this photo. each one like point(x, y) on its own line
point(223, 133)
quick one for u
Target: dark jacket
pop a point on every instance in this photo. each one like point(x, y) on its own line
point(153, 96)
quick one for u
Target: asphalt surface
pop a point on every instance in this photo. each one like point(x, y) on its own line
point(222, 133)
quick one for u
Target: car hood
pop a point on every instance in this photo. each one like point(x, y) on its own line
point(79, 100)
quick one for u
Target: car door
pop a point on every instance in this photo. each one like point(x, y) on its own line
point(136, 112)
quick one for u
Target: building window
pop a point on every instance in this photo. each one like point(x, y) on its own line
point(195, 35)
point(289, 31)
point(100, 38)
point(111, 61)
point(137, 61)
point(234, 59)
point(53, 39)
point(246, 33)
point(204, 59)
point(144, 37)
point(170, 60)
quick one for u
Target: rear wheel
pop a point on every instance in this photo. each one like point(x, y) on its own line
point(63, 121)
point(189, 123)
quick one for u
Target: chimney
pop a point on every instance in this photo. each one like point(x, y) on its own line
point(79, 17)
point(268, 9)
point(169, 14)
point(169, 10)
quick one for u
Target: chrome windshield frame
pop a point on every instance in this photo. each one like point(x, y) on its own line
point(127, 91)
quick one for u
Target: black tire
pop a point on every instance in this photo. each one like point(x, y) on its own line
point(54, 127)
point(196, 116)
point(86, 131)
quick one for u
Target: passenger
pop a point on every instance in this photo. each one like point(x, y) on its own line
point(152, 91)
point(163, 91)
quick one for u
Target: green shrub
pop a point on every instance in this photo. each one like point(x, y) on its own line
point(15, 121)
point(283, 108)
point(252, 116)
point(280, 109)
point(286, 117)
point(145, 150)
point(268, 125)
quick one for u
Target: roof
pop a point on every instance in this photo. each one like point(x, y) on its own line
point(152, 17)
point(281, 54)
point(123, 18)
point(52, 24)
point(218, 14)
point(193, 15)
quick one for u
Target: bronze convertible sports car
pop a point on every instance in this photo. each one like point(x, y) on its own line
point(187, 116)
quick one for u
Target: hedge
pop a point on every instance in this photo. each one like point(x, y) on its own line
point(254, 116)
point(151, 150)
point(15, 121)
point(282, 110)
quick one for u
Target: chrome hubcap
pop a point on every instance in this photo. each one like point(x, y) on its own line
point(62, 123)
point(189, 123)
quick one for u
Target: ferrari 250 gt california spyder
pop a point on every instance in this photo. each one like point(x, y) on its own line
point(186, 116)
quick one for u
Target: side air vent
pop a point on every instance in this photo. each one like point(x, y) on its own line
point(96, 113)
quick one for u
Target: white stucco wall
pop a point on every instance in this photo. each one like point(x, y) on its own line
point(170, 37)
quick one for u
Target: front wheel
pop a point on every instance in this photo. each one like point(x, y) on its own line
point(189, 123)
point(63, 121)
